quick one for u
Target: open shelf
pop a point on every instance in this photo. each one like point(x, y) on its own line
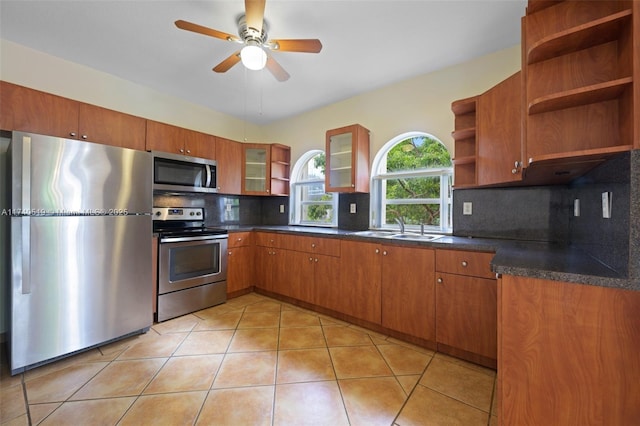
point(537, 5)
point(458, 161)
point(580, 37)
point(581, 96)
point(463, 133)
point(464, 106)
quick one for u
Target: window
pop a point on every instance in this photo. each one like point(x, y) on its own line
point(411, 182)
point(310, 204)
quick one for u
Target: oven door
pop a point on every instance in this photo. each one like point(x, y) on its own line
point(186, 262)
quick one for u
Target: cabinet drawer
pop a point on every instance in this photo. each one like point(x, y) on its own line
point(461, 262)
point(239, 239)
point(267, 239)
point(326, 246)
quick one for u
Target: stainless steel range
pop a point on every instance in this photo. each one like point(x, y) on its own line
point(192, 262)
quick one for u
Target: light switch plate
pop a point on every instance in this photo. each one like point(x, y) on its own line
point(281, 208)
point(576, 207)
point(467, 208)
point(352, 208)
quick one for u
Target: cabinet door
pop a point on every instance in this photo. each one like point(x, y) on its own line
point(292, 271)
point(110, 127)
point(466, 313)
point(6, 105)
point(499, 156)
point(359, 292)
point(240, 274)
point(408, 293)
point(43, 113)
point(256, 170)
point(264, 267)
point(198, 144)
point(229, 158)
point(347, 168)
point(164, 137)
point(326, 275)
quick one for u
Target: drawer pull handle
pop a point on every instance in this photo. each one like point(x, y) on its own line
point(464, 263)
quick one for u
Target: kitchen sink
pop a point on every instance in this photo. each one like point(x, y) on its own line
point(416, 237)
point(374, 234)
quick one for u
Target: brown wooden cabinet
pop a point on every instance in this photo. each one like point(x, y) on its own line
point(466, 306)
point(265, 169)
point(568, 353)
point(240, 264)
point(177, 140)
point(581, 73)
point(347, 161)
point(464, 136)
point(408, 291)
point(229, 159)
point(29, 110)
point(359, 292)
point(499, 133)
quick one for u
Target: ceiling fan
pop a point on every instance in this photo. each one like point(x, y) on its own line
point(252, 32)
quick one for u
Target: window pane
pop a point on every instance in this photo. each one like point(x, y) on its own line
point(317, 213)
point(417, 153)
point(417, 187)
point(413, 214)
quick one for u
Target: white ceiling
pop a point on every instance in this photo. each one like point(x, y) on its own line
point(367, 44)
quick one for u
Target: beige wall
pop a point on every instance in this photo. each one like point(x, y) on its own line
point(31, 68)
point(419, 104)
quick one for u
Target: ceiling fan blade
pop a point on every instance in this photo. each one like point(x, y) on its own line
point(305, 45)
point(184, 25)
point(276, 69)
point(225, 65)
point(254, 12)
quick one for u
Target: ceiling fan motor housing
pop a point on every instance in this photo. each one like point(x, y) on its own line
point(250, 35)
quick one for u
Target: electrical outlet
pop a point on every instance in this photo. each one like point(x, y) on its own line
point(467, 208)
point(606, 205)
point(281, 208)
point(352, 208)
point(576, 207)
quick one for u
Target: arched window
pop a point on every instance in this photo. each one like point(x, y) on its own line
point(310, 204)
point(411, 183)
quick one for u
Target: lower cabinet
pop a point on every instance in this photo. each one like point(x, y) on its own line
point(466, 306)
point(568, 353)
point(408, 291)
point(240, 262)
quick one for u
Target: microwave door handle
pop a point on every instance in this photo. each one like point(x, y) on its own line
point(208, 184)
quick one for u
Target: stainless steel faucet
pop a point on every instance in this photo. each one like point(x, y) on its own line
point(401, 223)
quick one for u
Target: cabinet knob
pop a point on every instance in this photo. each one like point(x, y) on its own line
point(377, 251)
point(181, 151)
point(72, 134)
point(188, 151)
point(353, 185)
point(315, 260)
point(384, 253)
point(516, 167)
point(464, 263)
point(230, 253)
point(239, 239)
point(267, 191)
point(311, 259)
point(313, 245)
point(439, 280)
point(84, 136)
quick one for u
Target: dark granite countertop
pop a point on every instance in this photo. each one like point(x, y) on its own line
point(521, 258)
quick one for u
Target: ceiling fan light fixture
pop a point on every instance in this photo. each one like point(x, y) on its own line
point(253, 57)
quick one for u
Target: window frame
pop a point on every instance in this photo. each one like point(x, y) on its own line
point(296, 185)
point(379, 201)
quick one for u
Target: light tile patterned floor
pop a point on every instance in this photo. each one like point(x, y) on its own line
point(252, 361)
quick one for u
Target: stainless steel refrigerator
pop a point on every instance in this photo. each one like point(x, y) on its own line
point(80, 246)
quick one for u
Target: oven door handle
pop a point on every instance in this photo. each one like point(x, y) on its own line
point(185, 239)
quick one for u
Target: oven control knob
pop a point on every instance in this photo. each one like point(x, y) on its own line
point(198, 213)
point(158, 213)
point(191, 214)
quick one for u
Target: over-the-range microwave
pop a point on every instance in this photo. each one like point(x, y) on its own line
point(181, 173)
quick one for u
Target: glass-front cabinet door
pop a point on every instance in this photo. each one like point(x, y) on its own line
point(347, 168)
point(256, 169)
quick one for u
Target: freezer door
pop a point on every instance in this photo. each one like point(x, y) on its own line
point(77, 282)
point(62, 176)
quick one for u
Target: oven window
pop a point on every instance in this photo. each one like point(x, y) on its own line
point(194, 261)
point(174, 172)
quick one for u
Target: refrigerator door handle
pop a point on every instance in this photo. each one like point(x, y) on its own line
point(25, 203)
point(26, 255)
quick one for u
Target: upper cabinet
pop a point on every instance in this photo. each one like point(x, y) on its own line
point(177, 140)
point(229, 159)
point(464, 136)
point(29, 110)
point(499, 133)
point(581, 73)
point(265, 169)
point(347, 159)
